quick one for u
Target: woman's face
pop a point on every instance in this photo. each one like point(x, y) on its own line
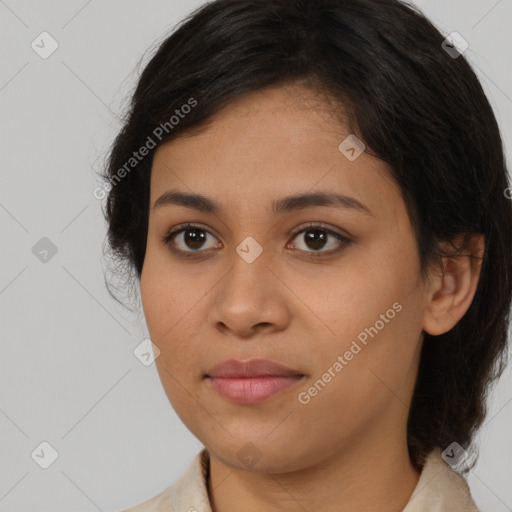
point(262, 277)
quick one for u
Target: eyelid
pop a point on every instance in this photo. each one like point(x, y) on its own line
point(320, 225)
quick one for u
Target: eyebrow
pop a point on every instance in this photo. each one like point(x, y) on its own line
point(279, 206)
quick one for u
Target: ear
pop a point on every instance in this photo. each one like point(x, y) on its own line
point(452, 288)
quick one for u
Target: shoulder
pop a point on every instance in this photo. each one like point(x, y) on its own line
point(158, 503)
point(188, 494)
point(440, 489)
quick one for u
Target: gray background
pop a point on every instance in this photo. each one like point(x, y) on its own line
point(68, 373)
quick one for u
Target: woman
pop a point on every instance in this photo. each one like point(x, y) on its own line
point(312, 197)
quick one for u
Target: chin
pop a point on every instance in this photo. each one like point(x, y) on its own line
point(263, 454)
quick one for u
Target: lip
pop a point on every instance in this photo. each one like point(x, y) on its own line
point(252, 368)
point(253, 381)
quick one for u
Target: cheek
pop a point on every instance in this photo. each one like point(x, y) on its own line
point(170, 309)
point(373, 308)
point(352, 295)
point(163, 296)
point(370, 379)
point(166, 319)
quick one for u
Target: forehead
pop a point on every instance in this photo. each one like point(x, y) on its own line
point(268, 144)
point(290, 114)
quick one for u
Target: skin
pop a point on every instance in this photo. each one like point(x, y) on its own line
point(346, 449)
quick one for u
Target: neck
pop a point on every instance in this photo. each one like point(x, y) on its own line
point(369, 476)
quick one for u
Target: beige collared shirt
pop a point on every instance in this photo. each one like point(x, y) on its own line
point(439, 489)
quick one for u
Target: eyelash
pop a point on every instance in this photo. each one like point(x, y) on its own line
point(166, 239)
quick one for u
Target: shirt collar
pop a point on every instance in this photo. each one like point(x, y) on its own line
point(439, 488)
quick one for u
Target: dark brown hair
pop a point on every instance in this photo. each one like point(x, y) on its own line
point(416, 106)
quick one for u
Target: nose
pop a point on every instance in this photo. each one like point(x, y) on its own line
point(250, 299)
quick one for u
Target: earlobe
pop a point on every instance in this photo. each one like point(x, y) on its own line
point(453, 287)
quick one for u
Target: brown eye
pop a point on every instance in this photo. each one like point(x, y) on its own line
point(315, 238)
point(194, 238)
point(188, 239)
